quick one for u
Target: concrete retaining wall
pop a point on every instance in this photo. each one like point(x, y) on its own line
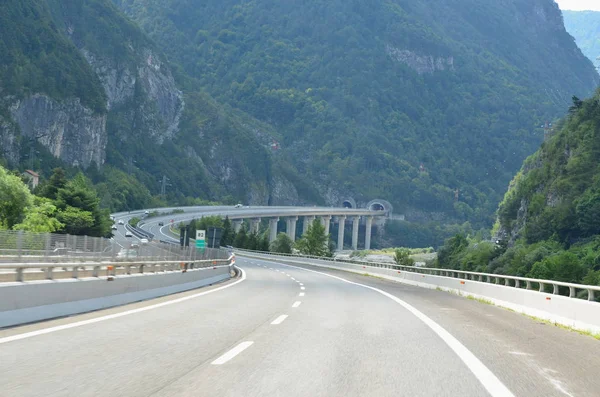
point(577, 313)
point(26, 302)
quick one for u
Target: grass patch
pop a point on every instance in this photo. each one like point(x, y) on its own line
point(595, 335)
point(480, 300)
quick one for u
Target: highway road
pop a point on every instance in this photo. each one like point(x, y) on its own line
point(280, 330)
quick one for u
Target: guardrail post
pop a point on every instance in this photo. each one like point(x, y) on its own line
point(528, 284)
point(571, 292)
point(49, 275)
point(20, 244)
point(19, 275)
point(141, 269)
point(541, 287)
point(507, 282)
point(127, 269)
point(75, 271)
point(517, 285)
point(555, 289)
point(96, 271)
point(590, 294)
point(497, 280)
point(47, 244)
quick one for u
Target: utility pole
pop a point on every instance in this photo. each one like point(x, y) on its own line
point(163, 186)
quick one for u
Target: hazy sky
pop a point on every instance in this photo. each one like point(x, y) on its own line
point(579, 4)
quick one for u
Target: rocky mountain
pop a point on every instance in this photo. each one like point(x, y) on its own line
point(432, 104)
point(548, 224)
point(584, 26)
point(556, 195)
point(84, 85)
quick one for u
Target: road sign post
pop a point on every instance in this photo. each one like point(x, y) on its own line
point(201, 239)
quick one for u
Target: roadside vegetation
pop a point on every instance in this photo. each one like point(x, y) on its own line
point(58, 205)
point(548, 224)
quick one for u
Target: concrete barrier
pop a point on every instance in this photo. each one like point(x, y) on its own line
point(26, 302)
point(576, 313)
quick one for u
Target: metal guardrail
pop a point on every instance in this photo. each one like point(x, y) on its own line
point(111, 268)
point(139, 232)
point(499, 279)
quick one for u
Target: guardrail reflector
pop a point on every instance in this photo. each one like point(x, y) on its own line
point(548, 298)
point(462, 282)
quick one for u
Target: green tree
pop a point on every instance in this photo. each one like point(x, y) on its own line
point(314, 241)
point(76, 220)
point(78, 201)
point(51, 187)
point(41, 218)
point(15, 197)
point(263, 244)
point(227, 235)
point(282, 244)
point(252, 241)
point(402, 257)
point(449, 254)
point(241, 238)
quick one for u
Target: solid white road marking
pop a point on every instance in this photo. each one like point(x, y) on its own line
point(302, 288)
point(296, 304)
point(301, 284)
point(232, 353)
point(492, 384)
point(301, 294)
point(293, 279)
point(116, 315)
point(279, 319)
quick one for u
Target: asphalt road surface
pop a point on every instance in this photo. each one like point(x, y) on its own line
point(280, 330)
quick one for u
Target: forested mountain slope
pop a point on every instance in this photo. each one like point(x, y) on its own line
point(83, 86)
point(364, 92)
point(584, 26)
point(549, 221)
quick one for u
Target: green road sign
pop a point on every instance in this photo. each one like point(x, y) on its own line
point(200, 243)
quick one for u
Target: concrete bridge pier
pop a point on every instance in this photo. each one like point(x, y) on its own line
point(308, 220)
point(254, 225)
point(355, 224)
point(273, 229)
point(325, 221)
point(291, 227)
point(342, 225)
point(369, 225)
point(237, 225)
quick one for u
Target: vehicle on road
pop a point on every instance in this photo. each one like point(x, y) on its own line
point(134, 245)
point(128, 234)
point(161, 223)
point(237, 206)
point(144, 241)
point(146, 212)
point(114, 227)
point(121, 222)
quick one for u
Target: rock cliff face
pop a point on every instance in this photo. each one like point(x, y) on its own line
point(422, 64)
point(70, 131)
point(157, 101)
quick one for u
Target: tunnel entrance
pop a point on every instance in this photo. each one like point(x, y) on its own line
point(347, 204)
point(377, 207)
